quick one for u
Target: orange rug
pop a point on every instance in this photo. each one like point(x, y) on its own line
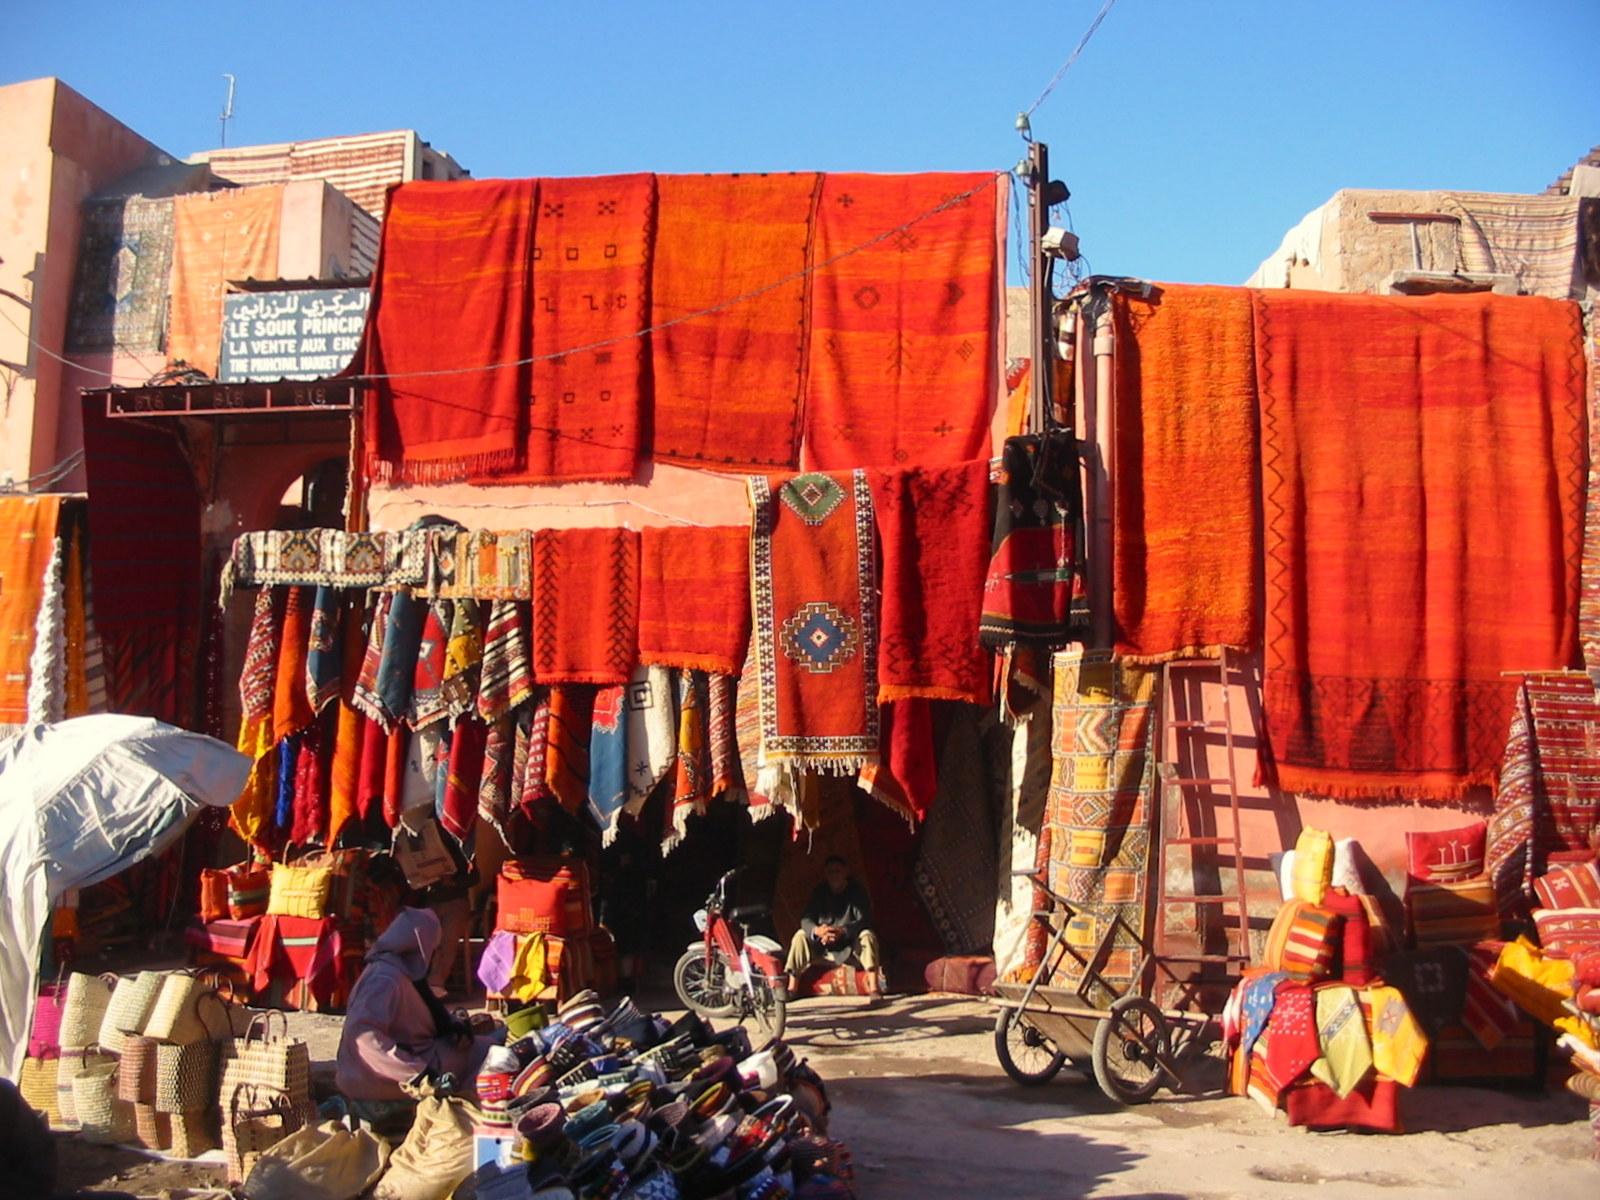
point(585, 605)
point(27, 540)
point(1186, 478)
point(452, 289)
point(727, 384)
point(591, 286)
point(901, 367)
point(217, 236)
point(694, 597)
point(1423, 484)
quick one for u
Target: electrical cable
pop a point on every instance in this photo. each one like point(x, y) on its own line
point(1066, 66)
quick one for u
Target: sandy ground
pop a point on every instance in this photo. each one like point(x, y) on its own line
point(927, 1112)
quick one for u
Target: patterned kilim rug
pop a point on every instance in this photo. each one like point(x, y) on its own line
point(1098, 815)
point(124, 268)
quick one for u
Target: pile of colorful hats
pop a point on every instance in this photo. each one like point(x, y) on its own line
point(625, 1104)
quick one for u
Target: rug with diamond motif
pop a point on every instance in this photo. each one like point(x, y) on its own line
point(813, 583)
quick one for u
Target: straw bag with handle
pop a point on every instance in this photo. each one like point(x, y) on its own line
point(271, 1061)
point(257, 1119)
point(44, 1040)
point(69, 1066)
point(136, 1074)
point(38, 1087)
point(101, 1116)
point(186, 1075)
point(131, 1001)
point(175, 1018)
point(194, 1133)
point(85, 1007)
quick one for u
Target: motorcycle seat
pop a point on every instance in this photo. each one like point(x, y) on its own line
point(746, 912)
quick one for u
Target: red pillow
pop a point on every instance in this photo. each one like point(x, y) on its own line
point(1575, 886)
point(1446, 855)
point(1568, 931)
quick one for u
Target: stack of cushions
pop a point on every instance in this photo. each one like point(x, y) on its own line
point(1568, 925)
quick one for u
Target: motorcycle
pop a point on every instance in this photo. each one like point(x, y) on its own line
point(729, 973)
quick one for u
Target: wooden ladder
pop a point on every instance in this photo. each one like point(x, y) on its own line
point(1194, 733)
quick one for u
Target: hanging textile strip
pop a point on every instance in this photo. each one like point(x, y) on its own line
point(291, 710)
point(364, 695)
point(1097, 810)
point(77, 632)
point(902, 355)
point(396, 748)
point(506, 680)
point(345, 771)
point(571, 715)
point(494, 786)
point(691, 785)
point(372, 768)
point(47, 666)
point(479, 564)
point(257, 682)
point(585, 605)
point(652, 733)
point(591, 283)
point(28, 527)
point(324, 650)
point(452, 289)
point(1548, 802)
point(608, 760)
point(533, 785)
point(314, 557)
point(309, 815)
point(1589, 596)
point(288, 777)
point(933, 523)
point(904, 779)
point(427, 682)
point(398, 666)
point(958, 855)
point(1449, 431)
point(1186, 538)
point(463, 659)
point(727, 383)
point(217, 237)
point(694, 597)
point(1027, 595)
point(813, 575)
point(722, 728)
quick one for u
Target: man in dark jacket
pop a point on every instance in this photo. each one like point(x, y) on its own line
point(836, 926)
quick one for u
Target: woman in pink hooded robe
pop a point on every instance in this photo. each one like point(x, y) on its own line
point(393, 1029)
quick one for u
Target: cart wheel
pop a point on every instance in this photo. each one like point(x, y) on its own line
point(1129, 1045)
point(1025, 1053)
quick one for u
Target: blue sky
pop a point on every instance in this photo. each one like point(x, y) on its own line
point(1193, 133)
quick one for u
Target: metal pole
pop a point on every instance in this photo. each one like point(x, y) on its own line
point(1040, 299)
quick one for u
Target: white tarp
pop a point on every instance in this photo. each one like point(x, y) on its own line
point(81, 801)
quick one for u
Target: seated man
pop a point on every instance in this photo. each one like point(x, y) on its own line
point(835, 926)
point(395, 1028)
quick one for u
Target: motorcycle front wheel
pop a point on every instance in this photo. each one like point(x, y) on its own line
point(702, 986)
point(767, 1008)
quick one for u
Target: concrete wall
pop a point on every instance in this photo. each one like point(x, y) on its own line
point(56, 149)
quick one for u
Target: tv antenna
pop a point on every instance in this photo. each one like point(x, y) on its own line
point(227, 110)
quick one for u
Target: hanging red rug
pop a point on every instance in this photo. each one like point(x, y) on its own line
point(585, 605)
point(694, 597)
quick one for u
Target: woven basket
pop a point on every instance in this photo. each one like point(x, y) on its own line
point(257, 1119)
point(87, 999)
point(136, 1074)
point(101, 1116)
point(68, 1067)
point(193, 1133)
point(274, 1062)
point(37, 1084)
point(44, 1040)
point(186, 1077)
point(129, 1008)
point(174, 1018)
point(300, 889)
point(152, 1128)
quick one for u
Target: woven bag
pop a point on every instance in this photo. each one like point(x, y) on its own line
point(274, 1061)
point(301, 889)
point(186, 1077)
point(44, 1038)
point(68, 1067)
point(129, 1009)
point(136, 1074)
point(101, 1116)
point(85, 1008)
point(213, 895)
point(175, 1018)
point(194, 1133)
point(37, 1084)
point(257, 1119)
point(152, 1128)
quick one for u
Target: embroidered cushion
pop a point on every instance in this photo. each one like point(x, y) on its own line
point(1568, 931)
point(1446, 855)
point(1573, 886)
point(1451, 913)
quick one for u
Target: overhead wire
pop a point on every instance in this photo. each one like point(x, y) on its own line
point(1055, 79)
